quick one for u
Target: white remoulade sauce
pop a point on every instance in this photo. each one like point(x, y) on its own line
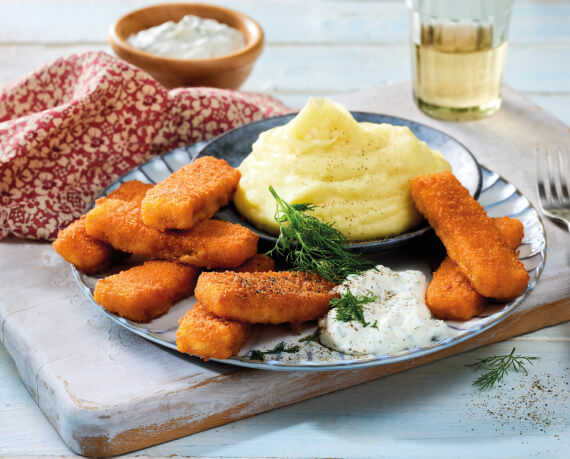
point(398, 319)
point(191, 38)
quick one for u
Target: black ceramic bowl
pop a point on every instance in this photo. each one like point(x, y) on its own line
point(235, 145)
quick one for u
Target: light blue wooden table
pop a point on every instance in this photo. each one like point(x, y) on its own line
point(328, 48)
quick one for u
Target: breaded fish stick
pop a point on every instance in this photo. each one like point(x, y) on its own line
point(131, 191)
point(191, 194)
point(450, 295)
point(81, 250)
point(211, 243)
point(146, 291)
point(206, 335)
point(469, 235)
point(511, 229)
point(86, 253)
point(258, 264)
point(271, 297)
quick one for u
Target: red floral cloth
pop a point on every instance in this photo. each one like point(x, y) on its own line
point(72, 127)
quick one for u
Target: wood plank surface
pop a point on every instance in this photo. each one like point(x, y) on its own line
point(283, 68)
point(196, 397)
point(91, 405)
point(321, 22)
point(327, 41)
point(432, 410)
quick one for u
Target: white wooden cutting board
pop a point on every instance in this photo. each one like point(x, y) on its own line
point(107, 391)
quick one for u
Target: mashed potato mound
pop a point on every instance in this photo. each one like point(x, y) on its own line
point(358, 174)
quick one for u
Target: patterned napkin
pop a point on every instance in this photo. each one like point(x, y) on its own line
point(72, 127)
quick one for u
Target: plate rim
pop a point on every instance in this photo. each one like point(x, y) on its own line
point(405, 355)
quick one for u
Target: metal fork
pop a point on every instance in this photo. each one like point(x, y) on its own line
point(553, 178)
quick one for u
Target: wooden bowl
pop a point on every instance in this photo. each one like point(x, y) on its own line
point(228, 71)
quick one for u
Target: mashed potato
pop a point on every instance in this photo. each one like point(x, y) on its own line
point(358, 174)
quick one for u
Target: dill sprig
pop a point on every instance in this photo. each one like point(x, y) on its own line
point(498, 366)
point(312, 337)
point(256, 354)
point(313, 246)
point(349, 307)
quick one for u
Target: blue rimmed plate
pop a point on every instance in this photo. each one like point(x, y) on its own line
point(499, 197)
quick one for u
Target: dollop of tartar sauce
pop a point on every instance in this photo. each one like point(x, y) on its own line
point(402, 318)
point(191, 38)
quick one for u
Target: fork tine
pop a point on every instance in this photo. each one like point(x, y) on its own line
point(563, 172)
point(540, 175)
point(551, 180)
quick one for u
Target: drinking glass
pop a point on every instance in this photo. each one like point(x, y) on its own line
point(459, 49)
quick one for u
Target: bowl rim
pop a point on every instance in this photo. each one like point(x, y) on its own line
point(255, 45)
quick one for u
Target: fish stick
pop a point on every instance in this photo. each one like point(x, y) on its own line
point(131, 191)
point(86, 253)
point(511, 229)
point(270, 297)
point(450, 295)
point(259, 263)
point(146, 291)
point(211, 243)
point(206, 335)
point(81, 250)
point(469, 235)
point(192, 194)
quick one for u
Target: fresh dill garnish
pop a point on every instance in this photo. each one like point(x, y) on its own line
point(256, 354)
point(312, 337)
point(313, 246)
point(498, 366)
point(349, 307)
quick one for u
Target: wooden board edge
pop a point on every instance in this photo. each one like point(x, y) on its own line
point(308, 385)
